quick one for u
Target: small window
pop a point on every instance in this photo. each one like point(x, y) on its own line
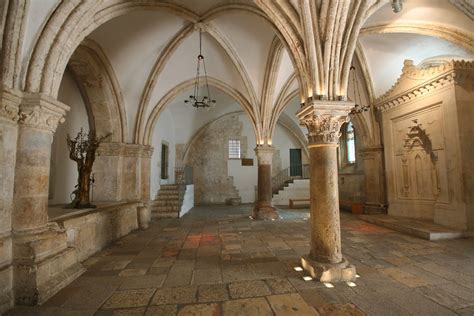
point(350, 143)
point(234, 149)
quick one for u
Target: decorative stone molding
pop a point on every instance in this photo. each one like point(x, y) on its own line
point(43, 112)
point(422, 81)
point(264, 154)
point(466, 6)
point(9, 103)
point(324, 119)
point(125, 150)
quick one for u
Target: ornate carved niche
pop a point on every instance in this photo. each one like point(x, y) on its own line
point(417, 162)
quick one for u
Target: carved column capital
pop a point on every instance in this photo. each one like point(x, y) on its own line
point(264, 154)
point(42, 112)
point(9, 104)
point(324, 119)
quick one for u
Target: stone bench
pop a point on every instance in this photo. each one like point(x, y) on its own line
point(291, 202)
point(356, 207)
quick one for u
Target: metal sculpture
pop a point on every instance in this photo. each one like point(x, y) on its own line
point(82, 150)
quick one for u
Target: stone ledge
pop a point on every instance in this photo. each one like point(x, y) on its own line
point(414, 227)
point(93, 229)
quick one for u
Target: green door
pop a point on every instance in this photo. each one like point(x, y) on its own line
point(296, 167)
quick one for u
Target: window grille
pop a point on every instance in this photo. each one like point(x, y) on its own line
point(234, 149)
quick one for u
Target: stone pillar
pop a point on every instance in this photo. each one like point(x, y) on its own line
point(323, 120)
point(122, 172)
point(43, 264)
point(9, 103)
point(263, 208)
point(375, 195)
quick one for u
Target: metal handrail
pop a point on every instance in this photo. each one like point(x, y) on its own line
point(284, 176)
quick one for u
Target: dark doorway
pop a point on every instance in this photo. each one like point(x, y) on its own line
point(164, 161)
point(296, 167)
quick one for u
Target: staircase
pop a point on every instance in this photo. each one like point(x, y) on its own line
point(285, 177)
point(296, 189)
point(174, 200)
point(168, 201)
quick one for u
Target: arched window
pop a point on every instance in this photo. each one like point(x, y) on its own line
point(347, 147)
point(350, 143)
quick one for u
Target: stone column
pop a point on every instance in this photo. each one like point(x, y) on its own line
point(9, 102)
point(43, 263)
point(263, 208)
point(375, 195)
point(122, 172)
point(323, 120)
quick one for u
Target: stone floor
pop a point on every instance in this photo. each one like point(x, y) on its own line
point(215, 260)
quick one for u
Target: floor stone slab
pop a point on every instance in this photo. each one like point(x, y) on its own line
point(248, 307)
point(248, 289)
point(129, 298)
point(175, 295)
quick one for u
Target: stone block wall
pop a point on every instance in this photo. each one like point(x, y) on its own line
point(92, 231)
point(122, 172)
point(208, 157)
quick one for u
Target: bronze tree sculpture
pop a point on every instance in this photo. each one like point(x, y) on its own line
point(82, 150)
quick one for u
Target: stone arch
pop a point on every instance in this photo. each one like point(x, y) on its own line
point(447, 33)
point(14, 16)
point(201, 130)
point(100, 90)
point(168, 97)
point(286, 20)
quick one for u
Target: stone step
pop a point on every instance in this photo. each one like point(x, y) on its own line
point(159, 215)
point(166, 202)
point(415, 227)
point(168, 192)
point(167, 187)
point(166, 208)
point(174, 197)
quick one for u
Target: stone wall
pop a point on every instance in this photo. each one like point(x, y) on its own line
point(91, 231)
point(208, 157)
point(122, 172)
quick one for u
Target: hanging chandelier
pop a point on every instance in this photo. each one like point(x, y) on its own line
point(197, 100)
point(358, 107)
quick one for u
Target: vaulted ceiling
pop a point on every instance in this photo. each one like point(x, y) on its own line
point(152, 51)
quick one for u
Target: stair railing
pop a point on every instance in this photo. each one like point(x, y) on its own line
point(285, 176)
point(280, 179)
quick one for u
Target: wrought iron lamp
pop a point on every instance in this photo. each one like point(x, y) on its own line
point(358, 107)
point(197, 100)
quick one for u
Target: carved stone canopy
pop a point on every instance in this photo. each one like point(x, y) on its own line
point(324, 119)
point(417, 137)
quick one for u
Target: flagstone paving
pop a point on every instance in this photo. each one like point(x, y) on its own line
point(217, 261)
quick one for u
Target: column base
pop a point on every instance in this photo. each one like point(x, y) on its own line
point(43, 264)
point(266, 212)
point(329, 272)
